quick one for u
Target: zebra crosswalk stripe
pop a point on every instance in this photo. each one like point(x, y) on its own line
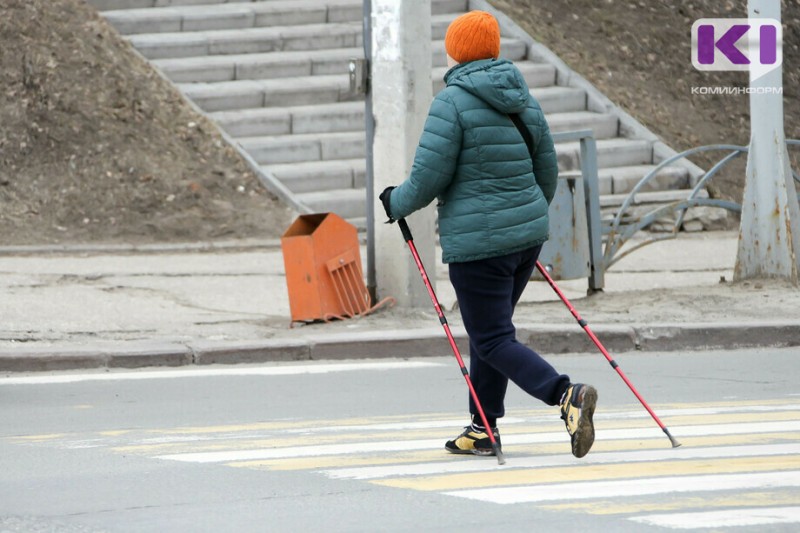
point(579, 473)
point(716, 519)
point(631, 487)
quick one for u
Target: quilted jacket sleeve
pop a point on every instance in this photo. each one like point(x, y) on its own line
point(545, 162)
point(434, 162)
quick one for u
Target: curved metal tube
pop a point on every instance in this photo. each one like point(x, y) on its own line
point(616, 239)
point(662, 164)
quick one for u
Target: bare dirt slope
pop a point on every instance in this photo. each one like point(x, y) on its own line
point(96, 147)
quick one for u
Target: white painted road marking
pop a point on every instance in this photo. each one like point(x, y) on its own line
point(727, 518)
point(214, 372)
point(630, 487)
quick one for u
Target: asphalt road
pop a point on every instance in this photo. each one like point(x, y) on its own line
point(357, 446)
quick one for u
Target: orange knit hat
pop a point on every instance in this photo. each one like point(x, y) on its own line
point(472, 36)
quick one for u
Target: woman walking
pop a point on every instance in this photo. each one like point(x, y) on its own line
point(493, 196)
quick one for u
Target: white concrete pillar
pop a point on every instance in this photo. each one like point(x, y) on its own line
point(769, 234)
point(401, 96)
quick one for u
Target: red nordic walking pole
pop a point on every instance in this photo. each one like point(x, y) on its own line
point(410, 240)
point(597, 343)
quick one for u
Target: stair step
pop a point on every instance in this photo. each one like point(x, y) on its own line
point(240, 15)
point(299, 148)
point(347, 203)
point(322, 118)
point(604, 125)
point(292, 64)
point(621, 180)
point(611, 201)
point(257, 40)
point(109, 5)
point(245, 41)
point(267, 65)
point(619, 152)
point(230, 95)
point(557, 99)
point(668, 178)
point(321, 175)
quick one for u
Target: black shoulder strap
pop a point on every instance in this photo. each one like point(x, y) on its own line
point(523, 130)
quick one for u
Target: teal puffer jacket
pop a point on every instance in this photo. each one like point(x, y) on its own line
point(471, 157)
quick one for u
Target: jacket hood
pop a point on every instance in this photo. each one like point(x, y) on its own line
point(496, 81)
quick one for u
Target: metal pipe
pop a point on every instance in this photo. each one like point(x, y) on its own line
point(369, 123)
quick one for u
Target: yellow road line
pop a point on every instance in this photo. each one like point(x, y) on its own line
point(37, 438)
point(116, 432)
point(590, 472)
point(312, 463)
point(735, 500)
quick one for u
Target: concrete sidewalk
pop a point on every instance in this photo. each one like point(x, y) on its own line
point(170, 305)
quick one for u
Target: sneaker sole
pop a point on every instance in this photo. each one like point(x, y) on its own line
point(584, 435)
point(470, 452)
point(483, 453)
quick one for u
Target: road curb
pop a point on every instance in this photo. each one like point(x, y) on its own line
point(546, 339)
point(116, 355)
point(717, 336)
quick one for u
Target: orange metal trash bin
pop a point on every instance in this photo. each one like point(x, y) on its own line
point(322, 259)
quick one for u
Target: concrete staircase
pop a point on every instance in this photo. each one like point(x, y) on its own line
point(273, 74)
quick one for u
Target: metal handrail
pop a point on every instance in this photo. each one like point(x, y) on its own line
point(618, 233)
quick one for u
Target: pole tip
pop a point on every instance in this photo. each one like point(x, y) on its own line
point(501, 460)
point(674, 442)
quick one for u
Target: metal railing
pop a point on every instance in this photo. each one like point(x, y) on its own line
point(620, 232)
point(605, 241)
point(591, 195)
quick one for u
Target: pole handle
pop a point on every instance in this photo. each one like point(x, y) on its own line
point(405, 229)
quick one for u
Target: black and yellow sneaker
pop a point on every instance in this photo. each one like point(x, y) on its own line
point(474, 440)
point(577, 409)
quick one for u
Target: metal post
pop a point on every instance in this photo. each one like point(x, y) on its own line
point(369, 123)
point(592, 195)
point(769, 234)
point(401, 96)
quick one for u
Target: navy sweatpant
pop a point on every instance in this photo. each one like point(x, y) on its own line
point(487, 292)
